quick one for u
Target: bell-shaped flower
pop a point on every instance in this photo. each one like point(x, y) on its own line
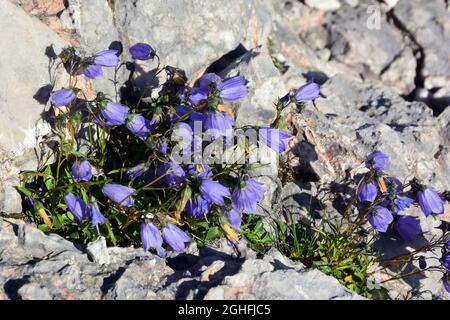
point(307, 92)
point(171, 173)
point(233, 89)
point(93, 71)
point(274, 139)
point(367, 191)
point(142, 51)
point(198, 207)
point(214, 191)
point(95, 214)
point(76, 206)
point(106, 58)
point(218, 123)
point(408, 228)
point(182, 133)
point(430, 201)
point(234, 218)
point(247, 195)
point(119, 194)
point(377, 160)
point(175, 237)
point(139, 126)
point(137, 171)
point(62, 97)
point(81, 171)
point(115, 114)
point(380, 218)
point(401, 202)
point(151, 238)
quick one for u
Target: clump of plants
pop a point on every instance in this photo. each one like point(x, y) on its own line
point(149, 166)
point(161, 165)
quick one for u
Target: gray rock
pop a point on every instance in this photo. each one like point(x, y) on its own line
point(258, 108)
point(184, 33)
point(98, 251)
point(327, 5)
point(377, 51)
point(356, 119)
point(39, 266)
point(429, 23)
point(23, 96)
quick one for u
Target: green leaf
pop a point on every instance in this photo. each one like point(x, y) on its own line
point(25, 191)
point(213, 233)
point(49, 181)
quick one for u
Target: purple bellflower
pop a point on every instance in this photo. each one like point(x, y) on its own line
point(76, 206)
point(218, 123)
point(430, 201)
point(307, 92)
point(93, 71)
point(274, 139)
point(81, 171)
point(106, 58)
point(173, 174)
point(377, 160)
point(246, 197)
point(95, 214)
point(367, 191)
point(115, 114)
point(62, 97)
point(175, 237)
point(234, 218)
point(151, 238)
point(198, 207)
point(380, 218)
point(142, 51)
point(119, 194)
point(139, 126)
point(409, 228)
point(230, 89)
point(214, 191)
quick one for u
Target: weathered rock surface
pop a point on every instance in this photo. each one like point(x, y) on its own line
point(24, 61)
point(39, 266)
point(356, 119)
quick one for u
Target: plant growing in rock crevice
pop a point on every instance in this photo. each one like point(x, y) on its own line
point(149, 167)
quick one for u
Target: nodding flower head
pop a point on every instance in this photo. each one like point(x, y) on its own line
point(230, 89)
point(377, 160)
point(139, 126)
point(175, 237)
point(142, 51)
point(409, 228)
point(62, 97)
point(430, 201)
point(198, 207)
point(214, 191)
point(115, 114)
point(76, 206)
point(151, 238)
point(95, 214)
point(246, 197)
point(106, 58)
point(380, 218)
point(81, 171)
point(92, 71)
point(119, 194)
point(274, 139)
point(367, 191)
point(307, 92)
